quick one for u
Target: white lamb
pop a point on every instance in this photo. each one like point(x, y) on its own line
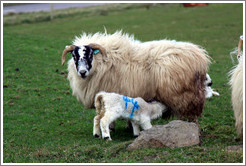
point(111, 106)
point(209, 91)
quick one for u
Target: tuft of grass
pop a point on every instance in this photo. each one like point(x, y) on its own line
point(44, 123)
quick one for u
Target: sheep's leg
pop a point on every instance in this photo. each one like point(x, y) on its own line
point(195, 120)
point(136, 129)
point(96, 127)
point(104, 124)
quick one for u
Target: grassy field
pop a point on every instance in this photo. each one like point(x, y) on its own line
point(43, 122)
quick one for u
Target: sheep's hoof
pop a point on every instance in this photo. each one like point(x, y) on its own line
point(237, 139)
point(96, 136)
point(135, 136)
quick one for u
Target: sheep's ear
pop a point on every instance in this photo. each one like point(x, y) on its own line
point(95, 47)
point(239, 47)
point(66, 50)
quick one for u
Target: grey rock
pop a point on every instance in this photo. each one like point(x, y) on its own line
point(177, 133)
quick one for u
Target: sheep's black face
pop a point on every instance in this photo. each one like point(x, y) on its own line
point(83, 57)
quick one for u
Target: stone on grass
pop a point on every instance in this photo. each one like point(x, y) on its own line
point(177, 133)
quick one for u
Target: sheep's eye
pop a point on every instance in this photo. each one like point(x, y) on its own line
point(74, 57)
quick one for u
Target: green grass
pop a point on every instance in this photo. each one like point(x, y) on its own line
point(12, 18)
point(43, 122)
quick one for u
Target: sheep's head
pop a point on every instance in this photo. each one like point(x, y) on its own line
point(83, 57)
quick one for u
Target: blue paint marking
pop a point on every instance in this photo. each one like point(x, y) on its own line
point(96, 52)
point(134, 103)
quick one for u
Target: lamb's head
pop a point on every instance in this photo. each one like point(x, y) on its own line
point(208, 81)
point(83, 57)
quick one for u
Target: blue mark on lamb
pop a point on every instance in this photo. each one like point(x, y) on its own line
point(134, 103)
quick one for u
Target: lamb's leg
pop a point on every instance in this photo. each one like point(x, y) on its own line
point(96, 127)
point(136, 129)
point(104, 124)
point(112, 126)
point(129, 126)
point(145, 123)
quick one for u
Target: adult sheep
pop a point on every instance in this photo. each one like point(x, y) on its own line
point(166, 70)
point(236, 82)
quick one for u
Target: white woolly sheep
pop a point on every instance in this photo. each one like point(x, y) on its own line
point(111, 106)
point(236, 82)
point(166, 70)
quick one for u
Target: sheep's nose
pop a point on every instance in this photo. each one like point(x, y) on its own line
point(82, 73)
point(210, 84)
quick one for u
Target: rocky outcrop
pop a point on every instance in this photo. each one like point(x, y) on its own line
point(177, 133)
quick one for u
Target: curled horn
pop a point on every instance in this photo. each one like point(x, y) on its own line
point(239, 47)
point(99, 47)
point(66, 50)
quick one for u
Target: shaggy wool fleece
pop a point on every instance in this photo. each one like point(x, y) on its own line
point(165, 70)
point(236, 83)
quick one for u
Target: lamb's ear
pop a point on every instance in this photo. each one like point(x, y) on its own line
point(95, 46)
point(66, 50)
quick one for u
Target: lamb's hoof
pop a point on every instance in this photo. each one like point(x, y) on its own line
point(107, 138)
point(96, 136)
point(135, 136)
point(112, 129)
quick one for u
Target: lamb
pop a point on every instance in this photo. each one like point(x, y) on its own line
point(209, 91)
point(168, 71)
point(111, 106)
point(236, 82)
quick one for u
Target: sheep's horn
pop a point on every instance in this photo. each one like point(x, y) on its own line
point(66, 50)
point(239, 47)
point(99, 47)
